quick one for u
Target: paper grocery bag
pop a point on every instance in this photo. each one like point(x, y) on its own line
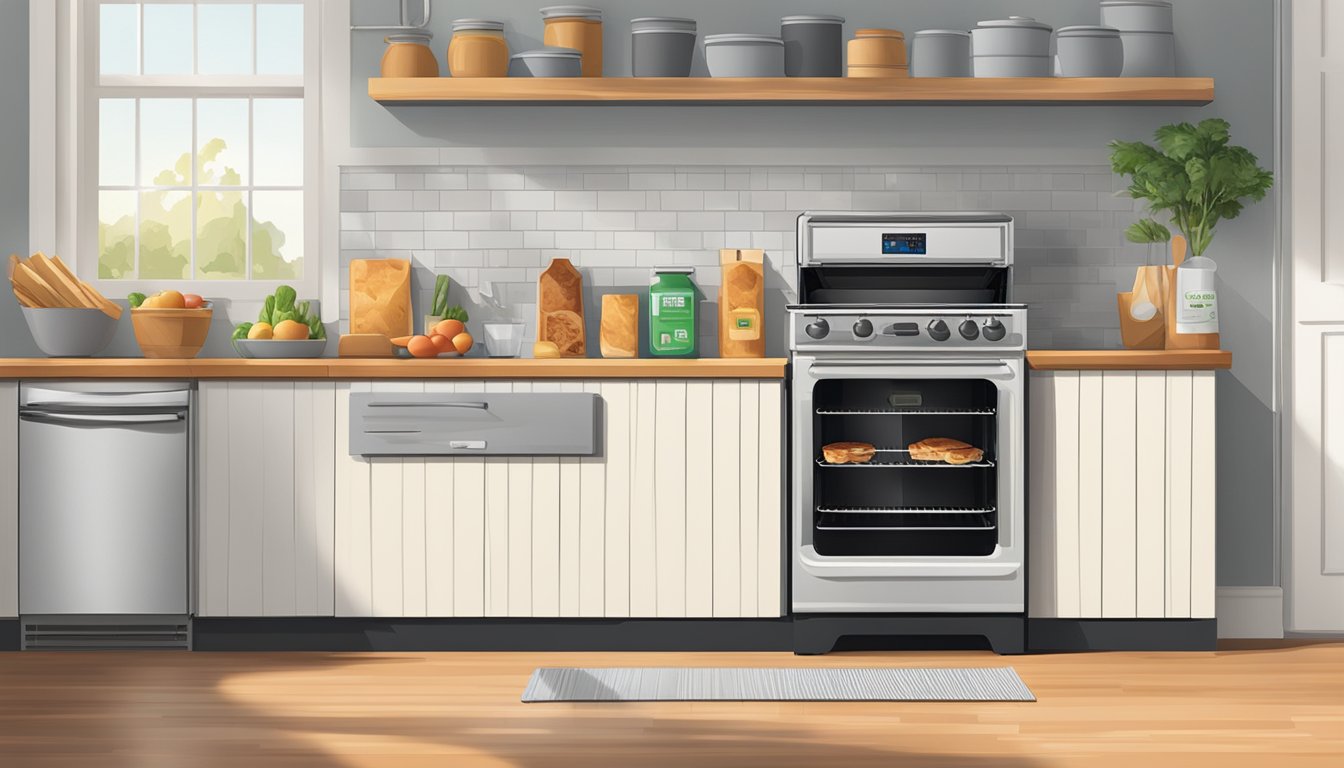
point(742, 303)
point(380, 297)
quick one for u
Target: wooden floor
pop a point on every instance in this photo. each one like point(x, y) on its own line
point(1278, 706)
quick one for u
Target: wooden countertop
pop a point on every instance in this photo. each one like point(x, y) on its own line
point(355, 368)
point(1129, 360)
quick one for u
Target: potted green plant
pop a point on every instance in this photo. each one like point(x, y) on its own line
point(1196, 180)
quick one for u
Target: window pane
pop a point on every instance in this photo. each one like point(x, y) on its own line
point(116, 142)
point(116, 235)
point(167, 39)
point(221, 136)
point(224, 39)
point(278, 138)
point(165, 142)
point(277, 235)
point(165, 235)
point(118, 39)
point(280, 39)
point(221, 236)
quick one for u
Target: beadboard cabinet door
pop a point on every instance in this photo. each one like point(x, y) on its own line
point(1121, 501)
point(681, 516)
point(266, 520)
point(9, 499)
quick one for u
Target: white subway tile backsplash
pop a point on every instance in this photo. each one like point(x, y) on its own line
point(500, 226)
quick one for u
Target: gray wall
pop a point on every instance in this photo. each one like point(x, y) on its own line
point(1231, 40)
point(14, 338)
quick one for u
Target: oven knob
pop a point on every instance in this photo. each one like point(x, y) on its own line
point(818, 328)
point(863, 329)
point(969, 330)
point(938, 331)
point(994, 330)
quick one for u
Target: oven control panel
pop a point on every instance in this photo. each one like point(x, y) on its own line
point(851, 330)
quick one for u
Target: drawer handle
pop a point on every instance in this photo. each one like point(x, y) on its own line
point(475, 405)
point(391, 431)
point(467, 445)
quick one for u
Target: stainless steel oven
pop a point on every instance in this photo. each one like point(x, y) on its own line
point(904, 332)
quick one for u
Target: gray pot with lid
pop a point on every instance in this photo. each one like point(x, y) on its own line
point(662, 46)
point(940, 53)
point(813, 45)
point(1088, 51)
point(1018, 46)
point(744, 55)
point(1137, 15)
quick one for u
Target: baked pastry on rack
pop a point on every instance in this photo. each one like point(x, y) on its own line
point(945, 449)
point(848, 453)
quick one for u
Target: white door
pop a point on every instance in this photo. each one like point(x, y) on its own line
point(1315, 575)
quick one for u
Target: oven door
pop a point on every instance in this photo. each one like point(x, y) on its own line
point(897, 533)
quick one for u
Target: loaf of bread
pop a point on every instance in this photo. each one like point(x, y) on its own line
point(945, 449)
point(848, 453)
point(560, 308)
point(619, 335)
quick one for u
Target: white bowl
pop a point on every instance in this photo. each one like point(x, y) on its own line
point(61, 332)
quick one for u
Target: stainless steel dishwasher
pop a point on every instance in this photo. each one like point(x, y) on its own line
point(104, 514)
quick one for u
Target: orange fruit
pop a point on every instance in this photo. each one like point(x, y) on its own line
point(462, 342)
point(449, 328)
point(442, 343)
point(422, 346)
point(402, 341)
point(290, 330)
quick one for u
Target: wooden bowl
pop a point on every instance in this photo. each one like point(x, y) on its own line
point(171, 333)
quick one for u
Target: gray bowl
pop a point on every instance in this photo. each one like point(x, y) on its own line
point(271, 349)
point(70, 332)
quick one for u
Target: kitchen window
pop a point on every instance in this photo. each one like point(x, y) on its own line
point(203, 132)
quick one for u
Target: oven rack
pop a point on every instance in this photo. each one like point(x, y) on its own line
point(906, 411)
point(906, 510)
point(904, 463)
point(913, 519)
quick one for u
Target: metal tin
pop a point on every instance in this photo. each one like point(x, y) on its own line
point(813, 45)
point(940, 53)
point(662, 46)
point(1137, 15)
point(1088, 51)
point(744, 55)
point(1013, 36)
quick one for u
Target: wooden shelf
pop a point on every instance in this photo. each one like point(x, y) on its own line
point(390, 368)
point(1129, 360)
point(794, 90)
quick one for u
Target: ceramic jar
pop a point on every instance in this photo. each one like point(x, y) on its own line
point(408, 55)
point(813, 45)
point(744, 55)
point(1088, 52)
point(941, 53)
point(478, 49)
point(578, 27)
point(662, 46)
point(1018, 46)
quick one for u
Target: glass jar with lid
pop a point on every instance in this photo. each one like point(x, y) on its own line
point(408, 55)
point(478, 49)
point(578, 27)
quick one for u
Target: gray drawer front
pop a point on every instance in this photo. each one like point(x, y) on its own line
point(474, 424)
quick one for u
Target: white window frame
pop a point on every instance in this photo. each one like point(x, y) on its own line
point(64, 90)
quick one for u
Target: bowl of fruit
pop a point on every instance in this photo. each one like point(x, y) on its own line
point(285, 328)
point(448, 338)
point(170, 324)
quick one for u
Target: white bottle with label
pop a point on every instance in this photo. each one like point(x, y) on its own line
point(1196, 296)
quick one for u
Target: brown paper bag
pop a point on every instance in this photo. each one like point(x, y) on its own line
point(742, 303)
point(1147, 329)
point(380, 297)
point(560, 308)
point(620, 325)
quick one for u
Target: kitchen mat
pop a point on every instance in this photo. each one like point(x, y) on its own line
point(780, 684)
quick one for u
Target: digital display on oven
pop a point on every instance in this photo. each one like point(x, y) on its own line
point(905, 244)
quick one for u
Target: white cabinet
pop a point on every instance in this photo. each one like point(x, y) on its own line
point(9, 499)
point(681, 516)
point(1121, 494)
point(266, 523)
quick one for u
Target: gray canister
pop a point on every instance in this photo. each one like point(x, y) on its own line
point(941, 53)
point(1088, 51)
point(547, 62)
point(744, 55)
point(662, 46)
point(813, 45)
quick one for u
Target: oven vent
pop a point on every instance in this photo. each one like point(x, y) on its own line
point(105, 634)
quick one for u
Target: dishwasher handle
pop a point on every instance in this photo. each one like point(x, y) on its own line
point(101, 419)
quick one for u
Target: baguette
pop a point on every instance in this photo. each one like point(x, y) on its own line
point(848, 453)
